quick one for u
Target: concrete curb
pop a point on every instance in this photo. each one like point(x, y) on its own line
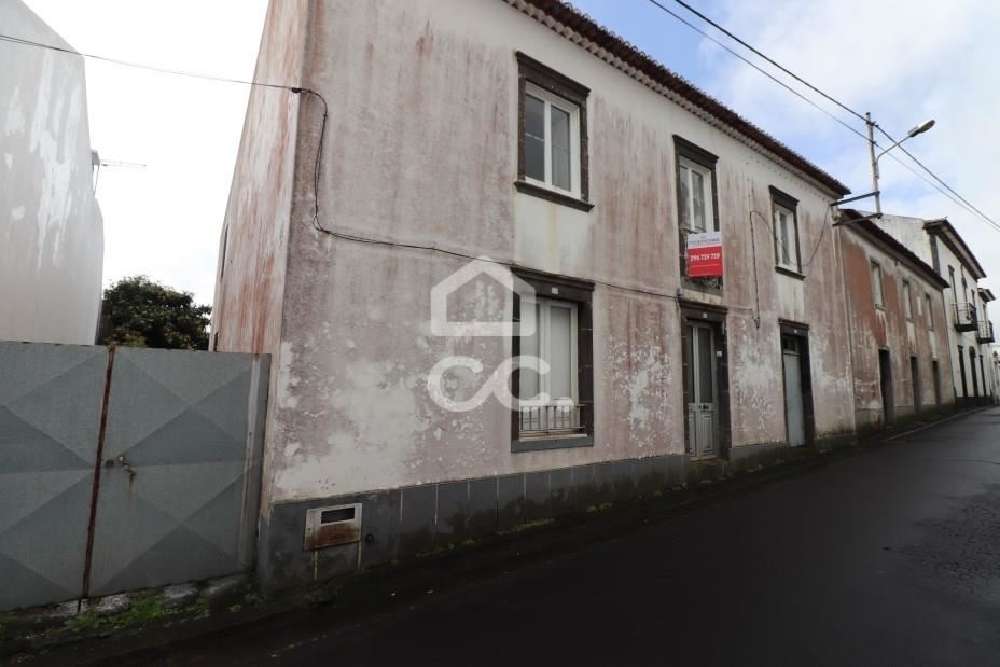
point(939, 422)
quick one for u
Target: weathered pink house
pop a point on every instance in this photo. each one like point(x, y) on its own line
point(522, 132)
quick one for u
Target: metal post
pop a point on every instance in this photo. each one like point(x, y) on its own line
point(871, 151)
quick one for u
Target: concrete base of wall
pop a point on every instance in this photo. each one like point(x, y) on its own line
point(401, 524)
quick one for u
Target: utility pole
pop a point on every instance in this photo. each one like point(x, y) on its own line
point(871, 151)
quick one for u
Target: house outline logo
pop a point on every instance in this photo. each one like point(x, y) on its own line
point(482, 265)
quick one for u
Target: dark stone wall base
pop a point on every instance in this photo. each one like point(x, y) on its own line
point(401, 524)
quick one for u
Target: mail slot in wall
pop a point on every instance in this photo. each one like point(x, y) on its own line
point(332, 525)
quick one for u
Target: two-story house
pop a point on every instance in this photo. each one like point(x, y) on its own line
point(667, 274)
point(900, 342)
point(937, 243)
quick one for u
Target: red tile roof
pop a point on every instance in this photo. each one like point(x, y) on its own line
point(584, 25)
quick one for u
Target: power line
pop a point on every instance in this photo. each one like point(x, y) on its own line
point(750, 63)
point(127, 63)
point(297, 90)
point(765, 57)
point(947, 190)
point(939, 180)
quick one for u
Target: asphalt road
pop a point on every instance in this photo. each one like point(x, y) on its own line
point(888, 557)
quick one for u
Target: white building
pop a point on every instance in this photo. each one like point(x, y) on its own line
point(51, 239)
point(937, 243)
point(523, 132)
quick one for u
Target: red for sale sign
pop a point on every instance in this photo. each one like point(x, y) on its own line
point(704, 255)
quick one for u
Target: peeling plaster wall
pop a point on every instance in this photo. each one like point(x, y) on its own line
point(253, 248)
point(254, 242)
point(887, 328)
point(421, 150)
point(910, 232)
point(51, 237)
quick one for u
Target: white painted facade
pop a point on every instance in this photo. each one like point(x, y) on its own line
point(420, 161)
point(51, 238)
point(971, 380)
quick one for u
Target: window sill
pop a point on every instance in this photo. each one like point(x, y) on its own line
point(791, 273)
point(527, 188)
point(543, 442)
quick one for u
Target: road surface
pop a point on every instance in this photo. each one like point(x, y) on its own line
point(890, 556)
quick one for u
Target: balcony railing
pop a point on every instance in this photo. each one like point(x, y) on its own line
point(984, 334)
point(552, 419)
point(965, 318)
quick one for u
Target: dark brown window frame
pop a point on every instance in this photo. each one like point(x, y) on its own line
point(906, 294)
point(881, 283)
point(581, 293)
point(532, 71)
point(691, 151)
point(716, 316)
point(800, 330)
point(786, 201)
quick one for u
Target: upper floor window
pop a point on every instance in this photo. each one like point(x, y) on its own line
point(878, 293)
point(697, 204)
point(552, 141)
point(695, 196)
point(786, 231)
point(907, 300)
point(696, 190)
point(930, 312)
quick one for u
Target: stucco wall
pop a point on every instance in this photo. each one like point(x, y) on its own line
point(421, 151)
point(875, 328)
point(51, 238)
point(910, 232)
point(253, 248)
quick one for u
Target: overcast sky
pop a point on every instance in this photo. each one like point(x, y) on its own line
point(904, 61)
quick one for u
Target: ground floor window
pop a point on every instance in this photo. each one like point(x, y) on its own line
point(553, 383)
point(549, 402)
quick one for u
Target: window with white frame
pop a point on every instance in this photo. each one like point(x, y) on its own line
point(556, 326)
point(930, 311)
point(907, 300)
point(695, 203)
point(878, 293)
point(784, 227)
point(786, 231)
point(551, 141)
point(555, 334)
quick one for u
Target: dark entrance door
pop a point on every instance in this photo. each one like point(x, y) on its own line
point(961, 368)
point(885, 384)
point(915, 382)
point(936, 372)
point(972, 371)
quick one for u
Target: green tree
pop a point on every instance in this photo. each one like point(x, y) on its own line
point(139, 312)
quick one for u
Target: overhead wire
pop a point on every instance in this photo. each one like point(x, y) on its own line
point(938, 183)
point(297, 90)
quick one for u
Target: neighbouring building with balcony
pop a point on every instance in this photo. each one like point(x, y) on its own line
point(937, 243)
point(900, 340)
point(52, 246)
point(669, 263)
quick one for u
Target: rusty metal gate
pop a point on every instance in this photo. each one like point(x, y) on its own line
point(125, 468)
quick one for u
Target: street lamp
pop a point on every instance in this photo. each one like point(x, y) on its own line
point(919, 129)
